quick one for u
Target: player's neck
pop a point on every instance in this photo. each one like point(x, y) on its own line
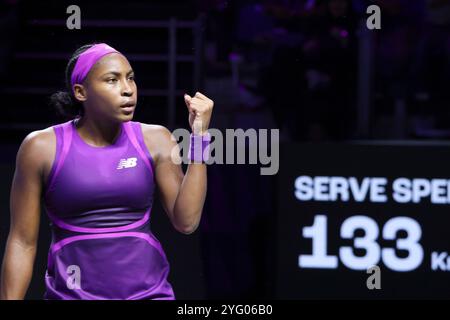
point(98, 133)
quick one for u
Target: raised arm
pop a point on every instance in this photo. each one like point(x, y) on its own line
point(182, 195)
point(20, 251)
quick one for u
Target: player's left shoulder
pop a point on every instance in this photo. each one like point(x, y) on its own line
point(155, 131)
point(158, 139)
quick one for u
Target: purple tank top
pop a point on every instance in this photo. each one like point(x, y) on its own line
point(99, 201)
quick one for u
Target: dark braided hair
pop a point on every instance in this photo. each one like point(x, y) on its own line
point(64, 101)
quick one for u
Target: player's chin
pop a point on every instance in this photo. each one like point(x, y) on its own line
point(126, 114)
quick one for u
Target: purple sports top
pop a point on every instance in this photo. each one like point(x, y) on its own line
point(99, 201)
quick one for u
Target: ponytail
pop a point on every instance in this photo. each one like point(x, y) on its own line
point(64, 102)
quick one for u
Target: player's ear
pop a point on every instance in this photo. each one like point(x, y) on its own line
point(79, 92)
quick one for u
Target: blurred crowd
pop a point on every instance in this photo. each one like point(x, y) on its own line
point(300, 66)
point(300, 59)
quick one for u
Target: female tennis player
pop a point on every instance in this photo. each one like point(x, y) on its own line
point(97, 174)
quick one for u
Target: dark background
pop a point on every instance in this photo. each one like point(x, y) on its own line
point(307, 67)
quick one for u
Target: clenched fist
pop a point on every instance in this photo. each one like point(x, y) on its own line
point(200, 109)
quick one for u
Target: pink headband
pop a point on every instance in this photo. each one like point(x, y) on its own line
point(87, 59)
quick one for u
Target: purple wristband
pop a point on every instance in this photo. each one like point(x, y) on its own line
point(199, 148)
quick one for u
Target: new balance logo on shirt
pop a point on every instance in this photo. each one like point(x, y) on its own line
point(127, 163)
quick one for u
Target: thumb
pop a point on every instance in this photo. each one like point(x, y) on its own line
point(187, 100)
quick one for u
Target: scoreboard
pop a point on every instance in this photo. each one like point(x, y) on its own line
point(348, 211)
